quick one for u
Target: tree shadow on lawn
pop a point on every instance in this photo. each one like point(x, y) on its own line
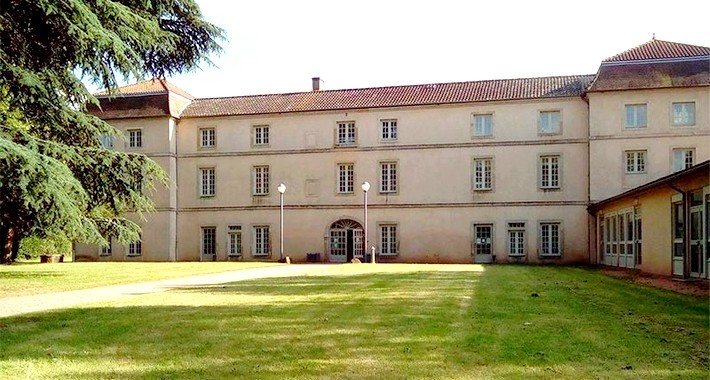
point(413, 325)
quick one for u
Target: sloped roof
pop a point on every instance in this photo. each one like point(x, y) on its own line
point(658, 49)
point(149, 87)
point(392, 96)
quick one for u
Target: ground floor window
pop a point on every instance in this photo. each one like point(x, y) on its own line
point(388, 240)
point(550, 239)
point(209, 237)
point(516, 239)
point(135, 248)
point(106, 250)
point(262, 241)
point(620, 233)
point(234, 241)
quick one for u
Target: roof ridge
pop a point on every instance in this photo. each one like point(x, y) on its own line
point(659, 48)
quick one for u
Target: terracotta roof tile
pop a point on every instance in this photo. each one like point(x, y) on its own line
point(394, 96)
point(149, 87)
point(657, 49)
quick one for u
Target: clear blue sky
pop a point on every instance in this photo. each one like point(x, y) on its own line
point(276, 46)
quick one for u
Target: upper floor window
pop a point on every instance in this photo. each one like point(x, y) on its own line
point(482, 125)
point(549, 172)
point(550, 123)
point(550, 239)
point(389, 129)
point(260, 180)
point(107, 141)
point(346, 133)
point(684, 114)
point(482, 174)
point(207, 182)
point(207, 137)
point(635, 161)
point(388, 177)
point(388, 240)
point(261, 135)
point(346, 178)
point(635, 116)
point(135, 138)
point(683, 159)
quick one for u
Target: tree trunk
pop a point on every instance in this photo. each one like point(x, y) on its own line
point(7, 238)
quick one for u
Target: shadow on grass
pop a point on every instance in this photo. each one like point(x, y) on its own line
point(411, 325)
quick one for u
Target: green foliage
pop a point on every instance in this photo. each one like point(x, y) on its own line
point(54, 173)
point(33, 246)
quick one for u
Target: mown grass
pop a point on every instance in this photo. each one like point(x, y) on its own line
point(375, 322)
point(34, 278)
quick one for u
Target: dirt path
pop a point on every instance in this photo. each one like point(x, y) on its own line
point(698, 288)
point(42, 302)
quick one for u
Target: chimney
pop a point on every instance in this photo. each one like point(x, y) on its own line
point(316, 83)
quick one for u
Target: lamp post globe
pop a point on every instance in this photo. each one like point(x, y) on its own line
point(365, 188)
point(282, 190)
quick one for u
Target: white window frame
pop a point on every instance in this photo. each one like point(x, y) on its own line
point(635, 161)
point(478, 243)
point(549, 244)
point(388, 177)
point(207, 182)
point(545, 123)
point(135, 138)
point(482, 125)
point(260, 180)
point(234, 241)
point(261, 241)
point(208, 240)
point(135, 248)
point(107, 141)
point(388, 130)
point(482, 173)
point(682, 158)
point(516, 241)
point(388, 236)
point(683, 114)
point(346, 178)
point(106, 250)
point(550, 171)
point(208, 138)
point(636, 116)
point(261, 135)
point(346, 133)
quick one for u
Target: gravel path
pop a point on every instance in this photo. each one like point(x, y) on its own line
point(41, 302)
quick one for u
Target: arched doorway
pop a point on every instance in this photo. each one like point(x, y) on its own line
point(345, 240)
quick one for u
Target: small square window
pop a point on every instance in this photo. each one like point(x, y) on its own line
point(635, 116)
point(550, 123)
point(346, 133)
point(683, 159)
point(684, 114)
point(482, 125)
point(635, 161)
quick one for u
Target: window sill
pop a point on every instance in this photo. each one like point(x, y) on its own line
point(489, 190)
point(550, 256)
point(477, 137)
point(346, 145)
point(206, 196)
point(134, 255)
point(639, 128)
point(635, 173)
point(516, 256)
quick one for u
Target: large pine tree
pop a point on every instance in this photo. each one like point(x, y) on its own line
point(55, 176)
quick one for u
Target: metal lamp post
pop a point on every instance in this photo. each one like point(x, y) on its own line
point(282, 190)
point(365, 189)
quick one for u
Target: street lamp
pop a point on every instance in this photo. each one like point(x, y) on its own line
point(282, 190)
point(365, 189)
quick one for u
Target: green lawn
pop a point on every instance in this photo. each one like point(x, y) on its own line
point(34, 278)
point(381, 322)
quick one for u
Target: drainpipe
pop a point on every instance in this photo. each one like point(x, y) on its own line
point(686, 232)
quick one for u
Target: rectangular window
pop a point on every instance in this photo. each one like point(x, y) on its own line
point(549, 172)
point(388, 240)
point(262, 241)
point(683, 159)
point(209, 238)
point(346, 178)
point(550, 123)
point(135, 248)
point(207, 182)
point(388, 177)
point(346, 133)
point(107, 141)
point(635, 116)
point(482, 177)
point(482, 125)
point(234, 241)
point(261, 135)
point(684, 114)
point(637, 235)
point(207, 138)
point(550, 239)
point(260, 180)
point(516, 239)
point(135, 138)
point(483, 239)
point(678, 230)
point(106, 250)
point(635, 161)
point(389, 129)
